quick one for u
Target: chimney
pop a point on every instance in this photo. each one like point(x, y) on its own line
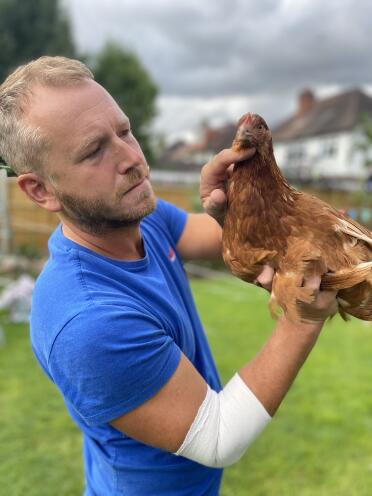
point(306, 101)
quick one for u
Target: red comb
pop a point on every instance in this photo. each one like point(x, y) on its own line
point(246, 119)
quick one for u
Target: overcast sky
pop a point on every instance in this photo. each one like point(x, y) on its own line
point(217, 59)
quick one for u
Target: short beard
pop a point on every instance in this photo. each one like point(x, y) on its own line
point(98, 218)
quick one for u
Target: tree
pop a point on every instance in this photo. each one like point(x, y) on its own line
point(29, 29)
point(365, 144)
point(124, 77)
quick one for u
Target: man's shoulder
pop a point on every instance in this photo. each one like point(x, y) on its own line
point(159, 215)
point(103, 360)
point(79, 324)
point(93, 331)
point(167, 219)
point(57, 298)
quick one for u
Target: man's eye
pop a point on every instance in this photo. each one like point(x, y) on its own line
point(94, 152)
point(125, 133)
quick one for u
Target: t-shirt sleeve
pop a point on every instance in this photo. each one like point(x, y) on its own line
point(107, 361)
point(175, 218)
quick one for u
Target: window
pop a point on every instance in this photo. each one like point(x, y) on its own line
point(329, 149)
point(295, 154)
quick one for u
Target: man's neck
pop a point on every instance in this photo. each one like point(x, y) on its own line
point(121, 244)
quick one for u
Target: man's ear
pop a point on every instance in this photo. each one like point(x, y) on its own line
point(39, 191)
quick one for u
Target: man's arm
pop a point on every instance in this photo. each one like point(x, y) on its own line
point(165, 419)
point(201, 238)
point(175, 418)
point(185, 416)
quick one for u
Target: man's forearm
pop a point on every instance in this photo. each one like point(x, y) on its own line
point(271, 372)
point(228, 422)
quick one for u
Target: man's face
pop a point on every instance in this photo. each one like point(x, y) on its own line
point(96, 167)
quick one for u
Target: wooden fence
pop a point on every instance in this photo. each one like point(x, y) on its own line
point(26, 227)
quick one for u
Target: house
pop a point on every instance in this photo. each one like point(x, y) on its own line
point(192, 156)
point(321, 141)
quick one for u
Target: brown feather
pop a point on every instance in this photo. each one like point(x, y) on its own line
point(269, 222)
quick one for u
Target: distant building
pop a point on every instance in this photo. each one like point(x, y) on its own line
point(320, 141)
point(190, 157)
point(178, 156)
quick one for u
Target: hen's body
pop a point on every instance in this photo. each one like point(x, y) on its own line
point(269, 222)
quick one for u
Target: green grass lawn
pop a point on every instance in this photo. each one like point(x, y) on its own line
point(319, 443)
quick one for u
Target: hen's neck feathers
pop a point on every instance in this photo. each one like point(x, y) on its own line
point(263, 175)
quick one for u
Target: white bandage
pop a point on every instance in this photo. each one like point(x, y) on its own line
point(225, 425)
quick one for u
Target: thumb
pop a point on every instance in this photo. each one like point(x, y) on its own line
point(218, 197)
point(215, 205)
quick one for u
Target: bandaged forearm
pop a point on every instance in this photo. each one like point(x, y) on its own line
point(225, 425)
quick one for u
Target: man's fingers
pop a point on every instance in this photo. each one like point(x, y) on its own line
point(323, 298)
point(218, 197)
point(230, 170)
point(215, 205)
point(230, 156)
point(312, 282)
point(324, 304)
point(225, 158)
point(265, 279)
point(214, 176)
point(327, 298)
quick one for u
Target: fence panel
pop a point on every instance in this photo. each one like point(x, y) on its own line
point(25, 227)
point(4, 215)
point(30, 226)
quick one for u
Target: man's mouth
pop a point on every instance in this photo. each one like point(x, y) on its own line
point(137, 185)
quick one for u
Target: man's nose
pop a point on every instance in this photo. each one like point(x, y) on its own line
point(126, 156)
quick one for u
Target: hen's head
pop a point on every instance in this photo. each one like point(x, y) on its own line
point(253, 132)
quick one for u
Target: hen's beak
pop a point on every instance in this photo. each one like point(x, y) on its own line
point(245, 137)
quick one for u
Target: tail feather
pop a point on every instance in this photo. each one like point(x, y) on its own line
point(357, 301)
point(354, 287)
point(361, 313)
point(346, 278)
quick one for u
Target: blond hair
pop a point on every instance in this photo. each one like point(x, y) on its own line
point(21, 146)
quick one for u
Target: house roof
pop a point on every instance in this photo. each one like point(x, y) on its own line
point(216, 139)
point(331, 115)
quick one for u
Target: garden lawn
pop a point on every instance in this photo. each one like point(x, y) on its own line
point(319, 443)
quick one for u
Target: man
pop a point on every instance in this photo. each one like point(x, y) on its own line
point(113, 323)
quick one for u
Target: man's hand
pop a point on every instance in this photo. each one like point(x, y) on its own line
point(270, 374)
point(315, 313)
point(265, 278)
point(213, 180)
point(323, 306)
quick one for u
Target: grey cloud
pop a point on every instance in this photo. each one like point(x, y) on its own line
point(266, 50)
point(216, 48)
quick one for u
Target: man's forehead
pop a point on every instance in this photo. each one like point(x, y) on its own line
point(83, 107)
point(69, 100)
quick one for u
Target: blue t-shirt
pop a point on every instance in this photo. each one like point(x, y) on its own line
point(110, 334)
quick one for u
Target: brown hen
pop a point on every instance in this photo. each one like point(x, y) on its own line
point(270, 223)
